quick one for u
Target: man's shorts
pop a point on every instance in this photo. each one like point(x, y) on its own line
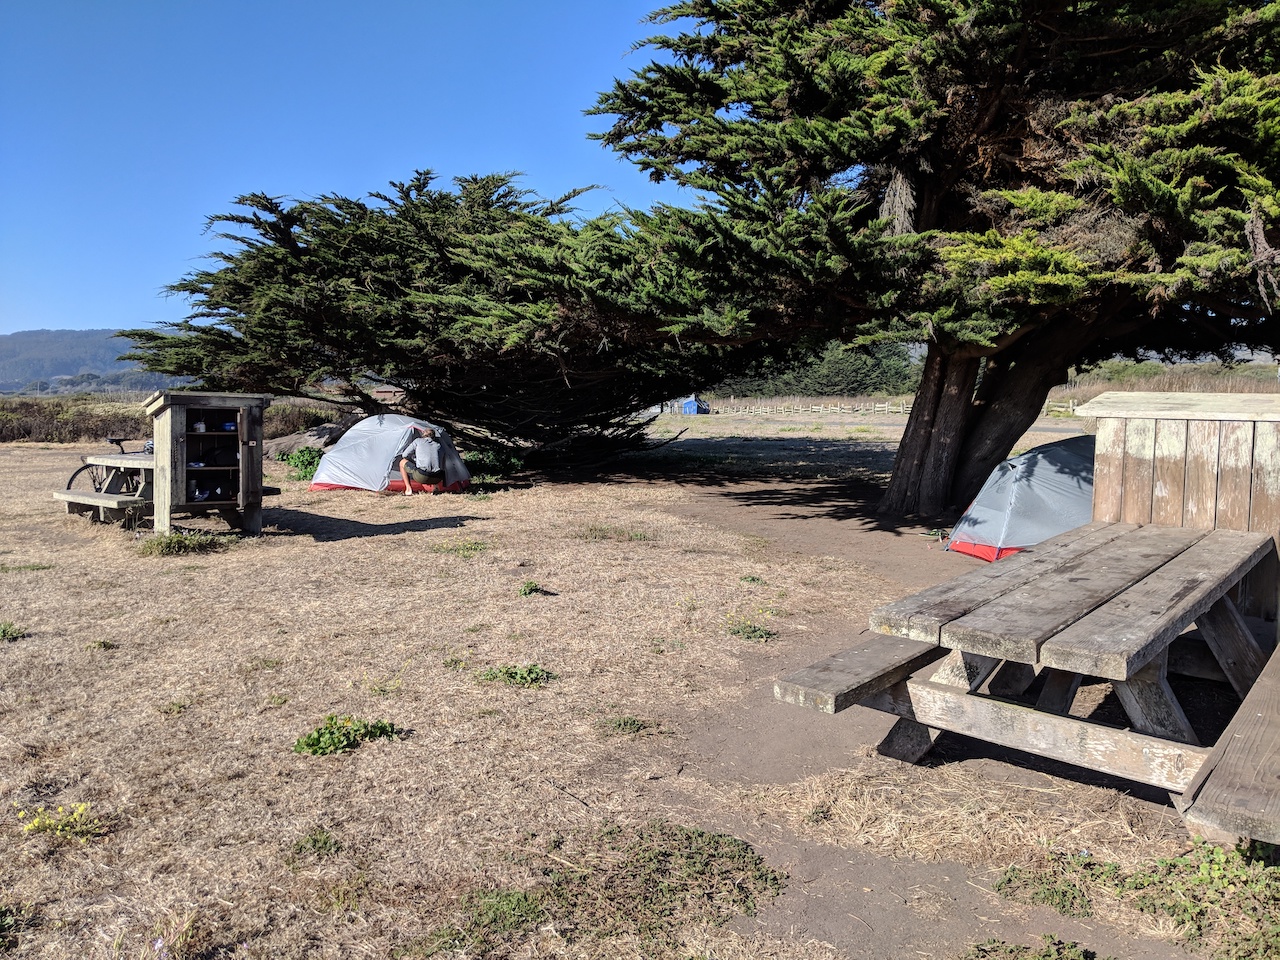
point(422, 477)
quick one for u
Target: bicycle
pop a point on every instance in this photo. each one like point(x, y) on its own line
point(94, 476)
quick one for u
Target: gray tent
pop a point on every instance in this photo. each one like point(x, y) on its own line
point(1029, 498)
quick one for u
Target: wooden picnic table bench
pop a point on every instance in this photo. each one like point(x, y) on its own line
point(1186, 517)
point(125, 493)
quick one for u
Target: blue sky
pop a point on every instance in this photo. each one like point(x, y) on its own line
point(124, 124)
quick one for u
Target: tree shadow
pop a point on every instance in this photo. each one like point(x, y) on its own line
point(322, 529)
point(800, 478)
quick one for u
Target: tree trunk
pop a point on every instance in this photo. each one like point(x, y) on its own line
point(931, 445)
point(956, 436)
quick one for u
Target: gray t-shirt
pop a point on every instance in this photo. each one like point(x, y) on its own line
point(425, 454)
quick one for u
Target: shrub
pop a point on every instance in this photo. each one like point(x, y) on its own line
point(9, 632)
point(304, 461)
point(338, 734)
point(283, 419)
point(70, 419)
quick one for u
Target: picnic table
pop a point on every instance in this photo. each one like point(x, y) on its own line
point(125, 494)
point(1186, 517)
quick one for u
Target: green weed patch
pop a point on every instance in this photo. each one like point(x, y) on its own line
point(645, 881)
point(530, 675)
point(338, 734)
point(744, 628)
point(626, 726)
point(465, 549)
point(1227, 901)
point(75, 823)
point(1053, 949)
point(9, 632)
point(179, 544)
point(597, 532)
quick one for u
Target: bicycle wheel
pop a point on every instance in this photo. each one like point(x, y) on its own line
point(89, 477)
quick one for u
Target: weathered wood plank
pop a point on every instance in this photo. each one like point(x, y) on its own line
point(1183, 406)
point(1152, 708)
point(1119, 637)
point(922, 615)
point(1170, 474)
point(123, 461)
point(1092, 746)
point(1016, 624)
point(112, 501)
point(841, 680)
point(1139, 465)
point(1237, 790)
point(1108, 470)
point(1235, 465)
point(1237, 652)
point(1199, 510)
point(1260, 592)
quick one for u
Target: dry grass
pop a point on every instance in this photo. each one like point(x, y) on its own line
point(167, 691)
point(954, 813)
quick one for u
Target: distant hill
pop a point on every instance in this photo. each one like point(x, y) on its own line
point(66, 361)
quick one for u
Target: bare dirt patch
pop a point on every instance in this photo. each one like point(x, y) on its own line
point(167, 692)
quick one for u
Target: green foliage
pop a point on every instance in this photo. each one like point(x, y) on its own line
point(341, 733)
point(835, 369)
point(530, 588)
point(24, 567)
point(9, 632)
point(602, 531)
point(179, 544)
point(492, 466)
point(1053, 949)
point(463, 549)
point(1063, 884)
point(517, 325)
point(319, 844)
point(1226, 899)
point(530, 675)
point(746, 628)
point(304, 461)
point(644, 881)
point(625, 726)
point(14, 919)
point(959, 173)
point(76, 823)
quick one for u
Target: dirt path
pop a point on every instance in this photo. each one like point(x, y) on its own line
point(867, 906)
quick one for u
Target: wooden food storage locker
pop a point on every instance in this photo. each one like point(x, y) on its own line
point(208, 456)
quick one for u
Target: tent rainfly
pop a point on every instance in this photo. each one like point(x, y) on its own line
point(1029, 498)
point(367, 457)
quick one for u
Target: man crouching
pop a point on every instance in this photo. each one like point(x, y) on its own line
point(421, 462)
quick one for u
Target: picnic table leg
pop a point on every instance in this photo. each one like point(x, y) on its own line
point(1151, 705)
point(1228, 636)
point(1012, 679)
point(909, 740)
point(1059, 690)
